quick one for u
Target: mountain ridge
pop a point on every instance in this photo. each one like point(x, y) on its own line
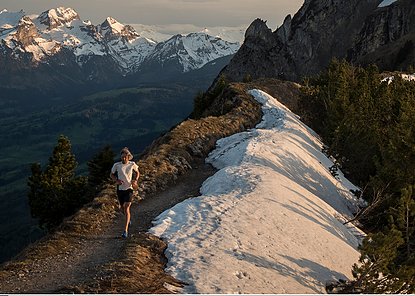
point(81, 53)
point(320, 31)
point(169, 159)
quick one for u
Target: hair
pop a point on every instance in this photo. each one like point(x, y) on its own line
point(126, 151)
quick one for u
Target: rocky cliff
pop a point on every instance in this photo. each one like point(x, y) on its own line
point(355, 30)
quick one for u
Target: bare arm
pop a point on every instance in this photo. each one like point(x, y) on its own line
point(114, 178)
point(134, 182)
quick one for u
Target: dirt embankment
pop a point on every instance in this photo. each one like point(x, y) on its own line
point(87, 255)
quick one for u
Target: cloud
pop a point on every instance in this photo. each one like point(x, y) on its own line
point(195, 1)
point(173, 29)
point(200, 13)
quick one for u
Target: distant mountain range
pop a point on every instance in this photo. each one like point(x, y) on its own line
point(57, 48)
point(155, 33)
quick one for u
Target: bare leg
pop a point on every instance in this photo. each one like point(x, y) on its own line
point(126, 212)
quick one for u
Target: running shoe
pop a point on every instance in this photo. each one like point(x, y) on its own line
point(125, 234)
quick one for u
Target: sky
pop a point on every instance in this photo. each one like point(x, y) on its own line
point(173, 15)
point(270, 221)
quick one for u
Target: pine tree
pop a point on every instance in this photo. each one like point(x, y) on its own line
point(56, 193)
point(340, 107)
point(369, 127)
point(372, 274)
point(405, 219)
point(398, 152)
point(403, 276)
point(202, 101)
point(100, 165)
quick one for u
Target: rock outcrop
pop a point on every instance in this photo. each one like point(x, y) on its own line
point(322, 30)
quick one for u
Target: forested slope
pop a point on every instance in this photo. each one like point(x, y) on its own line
point(368, 125)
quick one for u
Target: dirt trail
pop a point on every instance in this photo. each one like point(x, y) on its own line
point(89, 256)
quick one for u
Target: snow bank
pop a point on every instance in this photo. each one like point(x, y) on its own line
point(266, 221)
point(386, 3)
point(407, 77)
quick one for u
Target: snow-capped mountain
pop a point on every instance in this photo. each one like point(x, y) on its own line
point(192, 51)
point(20, 34)
point(232, 35)
point(59, 35)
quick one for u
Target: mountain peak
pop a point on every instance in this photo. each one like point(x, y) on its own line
point(9, 19)
point(113, 24)
point(112, 29)
point(354, 30)
point(54, 18)
point(259, 28)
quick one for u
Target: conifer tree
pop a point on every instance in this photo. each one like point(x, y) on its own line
point(369, 127)
point(372, 274)
point(56, 193)
point(100, 165)
point(340, 106)
point(398, 151)
point(387, 259)
point(405, 219)
point(203, 100)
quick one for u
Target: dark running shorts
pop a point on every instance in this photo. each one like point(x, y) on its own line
point(125, 196)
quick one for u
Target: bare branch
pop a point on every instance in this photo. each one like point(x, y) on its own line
point(378, 197)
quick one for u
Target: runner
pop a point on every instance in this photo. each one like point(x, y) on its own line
point(122, 174)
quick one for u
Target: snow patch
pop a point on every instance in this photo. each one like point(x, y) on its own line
point(10, 19)
point(270, 221)
point(386, 3)
point(407, 77)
